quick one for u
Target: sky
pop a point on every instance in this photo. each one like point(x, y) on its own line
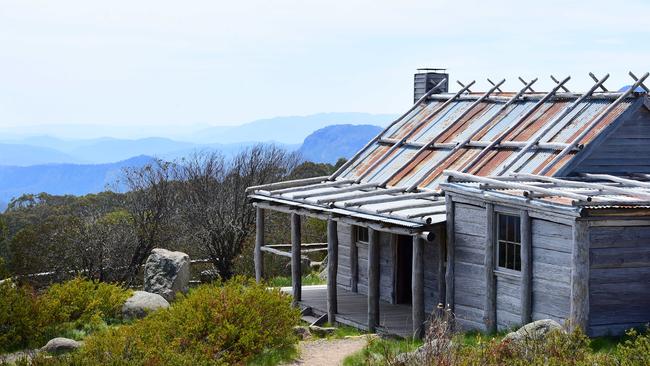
point(118, 63)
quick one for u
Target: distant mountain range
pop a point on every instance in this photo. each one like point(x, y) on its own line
point(77, 179)
point(56, 172)
point(333, 142)
point(287, 131)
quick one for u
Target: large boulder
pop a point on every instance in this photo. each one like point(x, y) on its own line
point(166, 273)
point(535, 330)
point(141, 303)
point(61, 345)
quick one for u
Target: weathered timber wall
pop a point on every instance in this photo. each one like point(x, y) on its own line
point(625, 150)
point(619, 278)
point(552, 247)
point(508, 301)
point(385, 263)
point(431, 293)
point(344, 276)
point(469, 273)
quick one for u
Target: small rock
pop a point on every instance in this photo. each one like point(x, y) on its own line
point(61, 345)
point(141, 303)
point(302, 332)
point(425, 353)
point(166, 273)
point(209, 275)
point(321, 331)
point(535, 330)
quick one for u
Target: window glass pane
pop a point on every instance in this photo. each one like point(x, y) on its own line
point(509, 240)
point(517, 223)
point(510, 236)
point(502, 254)
point(517, 252)
point(362, 234)
point(502, 227)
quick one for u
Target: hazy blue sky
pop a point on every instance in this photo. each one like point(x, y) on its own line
point(223, 62)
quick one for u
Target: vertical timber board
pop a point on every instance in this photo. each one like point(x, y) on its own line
point(526, 269)
point(551, 264)
point(259, 242)
point(296, 270)
point(332, 266)
point(354, 260)
point(579, 308)
point(442, 245)
point(373, 280)
point(343, 273)
point(490, 281)
point(449, 277)
point(417, 287)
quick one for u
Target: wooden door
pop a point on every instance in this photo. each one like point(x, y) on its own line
point(403, 269)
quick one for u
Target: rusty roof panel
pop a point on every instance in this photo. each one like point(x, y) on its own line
point(411, 164)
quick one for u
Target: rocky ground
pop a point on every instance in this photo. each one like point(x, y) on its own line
point(328, 352)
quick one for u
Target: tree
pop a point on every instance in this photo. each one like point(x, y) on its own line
point(150, 202)
point(215, 210)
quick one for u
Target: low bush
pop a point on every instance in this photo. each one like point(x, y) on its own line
point(79, 302)
point(223, 323)
point(18, 316)
point(444, 347)
point(29, 320)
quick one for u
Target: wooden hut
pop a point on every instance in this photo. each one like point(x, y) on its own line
point(530, 247)
point(389, 256)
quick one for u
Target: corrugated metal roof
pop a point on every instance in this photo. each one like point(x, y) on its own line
point(593, 191)
point(363, 201)
point(482, 134)
point(408, 164)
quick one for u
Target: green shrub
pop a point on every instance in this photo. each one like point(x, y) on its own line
point(79, 302)
point(78, 306)
point(222, 323)
point(18, 316)
point(635, 350)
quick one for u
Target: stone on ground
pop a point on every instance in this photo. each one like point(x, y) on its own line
point(141, 303)
point(321, 331)
point(302, 332)
point(535, 330)
point(166, 273)
point(61, 345)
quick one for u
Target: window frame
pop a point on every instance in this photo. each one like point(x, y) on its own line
point(357, 228)
point(512, 243)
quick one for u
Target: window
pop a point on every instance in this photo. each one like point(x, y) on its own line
point(509, 242)
point(362, 234)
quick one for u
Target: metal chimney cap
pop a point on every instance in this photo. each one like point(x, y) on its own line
point(434, 69)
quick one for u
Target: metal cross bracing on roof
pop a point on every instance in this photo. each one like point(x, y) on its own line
point(487, 134)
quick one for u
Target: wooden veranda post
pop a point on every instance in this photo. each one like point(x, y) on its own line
point(526, 269)
point(449, 277)
point(373, 280)
point(490, 314)
point(417, 286)
point(579, 309)
point(259, 242)
point(354, 261)
point(442, 259)
point(332, 267)
point(296, 270)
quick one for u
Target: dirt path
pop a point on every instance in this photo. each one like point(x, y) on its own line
point(328, 352)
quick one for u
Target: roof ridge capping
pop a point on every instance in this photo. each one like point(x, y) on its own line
point(599, 89)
